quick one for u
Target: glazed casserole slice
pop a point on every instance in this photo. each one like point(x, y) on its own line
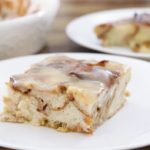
point(66, 94)
point(133, 33)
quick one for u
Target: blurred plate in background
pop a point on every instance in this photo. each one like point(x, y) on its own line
point(81, 30)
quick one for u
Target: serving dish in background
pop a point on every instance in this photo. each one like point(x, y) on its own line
point(27, 34)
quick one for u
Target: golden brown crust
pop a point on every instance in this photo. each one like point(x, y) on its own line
point(61, 127)
point(127, 93)
point(23, 7)
point(101, 30)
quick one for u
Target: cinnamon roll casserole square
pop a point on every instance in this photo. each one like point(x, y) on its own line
point(66, 94)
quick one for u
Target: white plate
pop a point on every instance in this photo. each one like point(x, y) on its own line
point(81, 31)
point(129, 128)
